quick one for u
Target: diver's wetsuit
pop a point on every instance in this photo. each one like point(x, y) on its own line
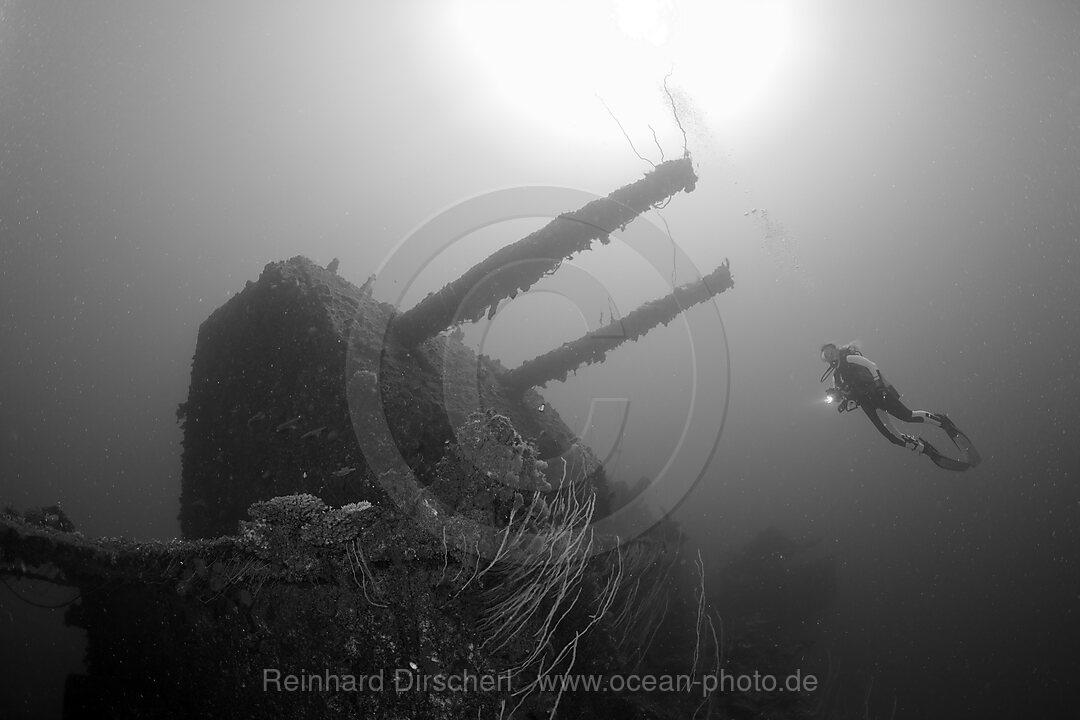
point(861, 380)
point(865, 385)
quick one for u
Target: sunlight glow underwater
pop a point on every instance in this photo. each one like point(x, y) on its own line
point(548, 63)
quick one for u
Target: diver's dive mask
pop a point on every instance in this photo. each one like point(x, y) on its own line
point(832, 363)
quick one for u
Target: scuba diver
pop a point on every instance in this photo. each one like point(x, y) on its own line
point(859, 383)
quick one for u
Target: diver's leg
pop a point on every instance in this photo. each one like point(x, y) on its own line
point(905, 441)
point(892, 404)
point(933, 418)
point(871, 412)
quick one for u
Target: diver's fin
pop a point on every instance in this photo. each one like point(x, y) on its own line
point(941, 461)
point(948, 463)
point(961, 441)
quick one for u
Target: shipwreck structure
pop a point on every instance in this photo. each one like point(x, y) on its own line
point(516, 267)
point(299, 562)
point(268, 413)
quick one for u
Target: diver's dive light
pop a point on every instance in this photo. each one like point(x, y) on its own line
point(836, 396)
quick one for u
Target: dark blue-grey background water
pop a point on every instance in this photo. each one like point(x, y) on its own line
point(904, 174)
